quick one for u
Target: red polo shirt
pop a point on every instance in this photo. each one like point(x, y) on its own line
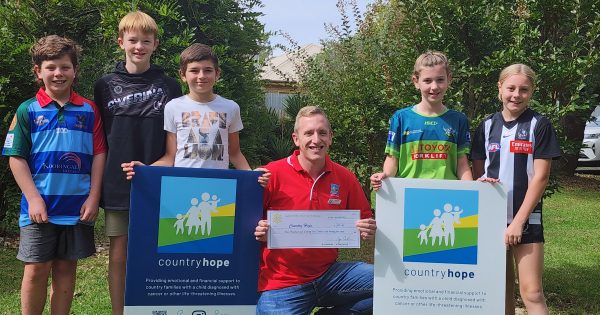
point(292, 188)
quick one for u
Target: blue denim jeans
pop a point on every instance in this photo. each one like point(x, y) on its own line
point(345, 288)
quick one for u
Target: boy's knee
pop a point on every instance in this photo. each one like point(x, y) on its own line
point(64, 266)
point(118, 258)
point(118, 249)
point(35, 272)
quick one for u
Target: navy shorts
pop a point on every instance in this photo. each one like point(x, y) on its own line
point(46, 242)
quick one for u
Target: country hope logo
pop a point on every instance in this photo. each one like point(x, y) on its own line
point(196, 215)
point(440, 226)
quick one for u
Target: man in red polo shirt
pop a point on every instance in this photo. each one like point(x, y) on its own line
point(294, 281)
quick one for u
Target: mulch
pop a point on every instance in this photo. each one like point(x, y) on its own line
point(588, 181)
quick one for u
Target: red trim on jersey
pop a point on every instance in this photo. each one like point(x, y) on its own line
point(292, 188)
point(43, 98)
point(99, 140)
point(100, 145)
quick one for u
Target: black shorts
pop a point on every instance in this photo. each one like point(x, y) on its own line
point(532, 233)
point(46, 242)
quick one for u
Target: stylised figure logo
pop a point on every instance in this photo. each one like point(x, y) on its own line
point(179, 224)
point(199, 215)
point(206, 208)
point(441, 226)
point(193, 221)
point(193, 216)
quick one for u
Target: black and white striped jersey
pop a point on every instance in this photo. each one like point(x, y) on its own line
point(509, 148)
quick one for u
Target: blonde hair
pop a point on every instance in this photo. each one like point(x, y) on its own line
point(138, 21)
point(429, 59)
point(517, 68)
point(308, 111)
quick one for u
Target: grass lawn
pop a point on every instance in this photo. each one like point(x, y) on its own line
point(91, 290)
point(571, 278)
point(572, 251)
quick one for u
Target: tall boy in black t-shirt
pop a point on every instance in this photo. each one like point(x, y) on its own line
point(132, 100)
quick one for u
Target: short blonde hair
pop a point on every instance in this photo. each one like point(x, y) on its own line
point(308, 111)
point(517, 68)
point(429, 59)
point(138, 21)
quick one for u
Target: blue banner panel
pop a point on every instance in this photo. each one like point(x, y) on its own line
point(191, 242)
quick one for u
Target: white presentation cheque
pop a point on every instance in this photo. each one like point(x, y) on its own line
point(313, 229)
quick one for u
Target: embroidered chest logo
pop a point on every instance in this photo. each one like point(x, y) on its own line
point(450, 132)
point(81, 121)
point(40, 120)
point(334, 195)
point(523, 134)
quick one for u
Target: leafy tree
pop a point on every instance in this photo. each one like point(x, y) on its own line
point(231, 27)
point(281, 140)
point(21, 23)
point(361, 78)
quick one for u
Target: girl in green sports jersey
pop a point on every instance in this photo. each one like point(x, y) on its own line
point(427, 140)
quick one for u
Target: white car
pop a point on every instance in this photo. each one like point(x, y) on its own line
point(590, 150)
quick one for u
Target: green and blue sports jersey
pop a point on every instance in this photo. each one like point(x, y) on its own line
point(59, 144)
point(428, 146)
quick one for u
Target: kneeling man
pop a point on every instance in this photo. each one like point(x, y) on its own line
point(294, 281)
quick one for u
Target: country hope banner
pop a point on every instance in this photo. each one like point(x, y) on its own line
point(439, 247)
point(191, 247)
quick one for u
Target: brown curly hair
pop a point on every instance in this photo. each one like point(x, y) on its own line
point(53, 47)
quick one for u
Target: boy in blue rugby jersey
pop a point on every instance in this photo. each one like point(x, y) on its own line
point(56, 150)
